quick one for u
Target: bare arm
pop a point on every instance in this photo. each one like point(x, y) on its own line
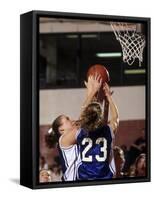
point(114, 121)
point(93, 85)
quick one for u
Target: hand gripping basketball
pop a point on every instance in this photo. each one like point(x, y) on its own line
point(103, 73)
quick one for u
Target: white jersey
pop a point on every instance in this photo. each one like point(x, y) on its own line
point(70, 160)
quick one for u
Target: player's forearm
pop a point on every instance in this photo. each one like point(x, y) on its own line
point(113, 111)
point(88, 99)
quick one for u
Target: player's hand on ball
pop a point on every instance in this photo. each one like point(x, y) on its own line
point(94, 83)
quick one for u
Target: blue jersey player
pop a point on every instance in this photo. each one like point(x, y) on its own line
point(96, 138)
point(96, 151)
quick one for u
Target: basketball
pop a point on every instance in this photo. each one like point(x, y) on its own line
point(101, 70)
point(104, 75)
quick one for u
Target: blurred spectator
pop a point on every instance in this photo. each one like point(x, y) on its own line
point(45, 176)
point(125, 150)
point(140, 165)
point(56, 173)
point(119, 161)
point(140, 142)
point(138, 147)
point(57, 160)
point(50, 140)
point(42, 164)
point(131, 171)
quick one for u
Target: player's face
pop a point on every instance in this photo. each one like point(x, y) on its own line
point(66, 125)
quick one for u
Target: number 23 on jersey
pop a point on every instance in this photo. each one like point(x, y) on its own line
point(102, 142)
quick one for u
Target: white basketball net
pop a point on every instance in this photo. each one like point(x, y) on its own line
point(132, 43)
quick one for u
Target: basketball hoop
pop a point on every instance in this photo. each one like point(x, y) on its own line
point(132, 43)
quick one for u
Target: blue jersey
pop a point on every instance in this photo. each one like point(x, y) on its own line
point(95, 152)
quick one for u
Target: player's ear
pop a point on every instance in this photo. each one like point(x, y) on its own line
point(85, 83)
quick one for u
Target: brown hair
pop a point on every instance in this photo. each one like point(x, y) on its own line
point(91, 117)
point(55, 125)
point(52, 138)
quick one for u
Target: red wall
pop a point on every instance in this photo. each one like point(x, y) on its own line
point(129, 131)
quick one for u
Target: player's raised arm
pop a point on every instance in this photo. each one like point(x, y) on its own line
point(93, 85)
point(114, 121)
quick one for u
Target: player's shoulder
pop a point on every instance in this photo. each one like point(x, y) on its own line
point(104, 131)
point(103, 128)
point(81, 133)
